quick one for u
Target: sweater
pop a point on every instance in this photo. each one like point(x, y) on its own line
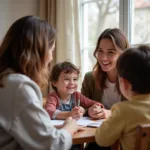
point(53, 102)
point(126, 116)
point(24, 124)
point(90, 90)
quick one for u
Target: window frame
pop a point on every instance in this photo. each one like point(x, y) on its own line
point(125, 23)
point(125, 19)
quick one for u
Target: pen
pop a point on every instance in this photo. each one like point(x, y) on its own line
point(78, 102)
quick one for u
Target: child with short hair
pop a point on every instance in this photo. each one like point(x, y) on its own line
point(65, 101)
point(134, 81)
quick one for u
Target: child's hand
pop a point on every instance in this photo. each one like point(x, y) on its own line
point(82, 111)
point(77, 112)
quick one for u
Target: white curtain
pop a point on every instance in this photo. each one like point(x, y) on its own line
point(47, 11)
point(67, 25)
point(64, 16)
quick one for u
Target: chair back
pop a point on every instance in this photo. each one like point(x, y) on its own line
point(116, 145)
point(143, 137)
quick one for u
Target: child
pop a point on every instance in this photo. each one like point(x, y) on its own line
point(66, 101)
point(134, 81)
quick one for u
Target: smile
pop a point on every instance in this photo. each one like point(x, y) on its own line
point(106, 63)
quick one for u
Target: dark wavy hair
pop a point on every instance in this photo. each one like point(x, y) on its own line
point(66, 67)
point(119, 40)
point(134, 66)
point(25, 49)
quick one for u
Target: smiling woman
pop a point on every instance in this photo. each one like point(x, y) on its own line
point(107, 55)
point(102, 84)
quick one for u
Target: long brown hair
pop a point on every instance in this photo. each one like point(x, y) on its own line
point(25, 49)
point(119, 40)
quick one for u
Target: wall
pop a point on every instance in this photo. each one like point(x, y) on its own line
point(11, 10)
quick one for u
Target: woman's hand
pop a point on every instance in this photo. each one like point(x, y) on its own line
point(71, 126)
point(93, 110)
point(96, 112)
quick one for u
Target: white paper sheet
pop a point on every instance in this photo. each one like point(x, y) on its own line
point(84, 121)
point(57, 122)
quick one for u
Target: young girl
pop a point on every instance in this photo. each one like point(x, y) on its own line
point(66, 101)
point(25, 54)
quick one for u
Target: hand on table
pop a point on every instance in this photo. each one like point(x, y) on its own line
point(71, 125)
point(96, 112)
point(77, 112)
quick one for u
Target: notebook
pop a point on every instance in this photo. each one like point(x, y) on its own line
point(84, 121)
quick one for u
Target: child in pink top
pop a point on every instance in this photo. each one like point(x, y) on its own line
point(65, 101)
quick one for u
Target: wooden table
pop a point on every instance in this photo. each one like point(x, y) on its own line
point(85, 136)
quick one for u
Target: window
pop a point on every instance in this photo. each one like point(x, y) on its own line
point(140, 30)
point(96, 15)
point(146, 0)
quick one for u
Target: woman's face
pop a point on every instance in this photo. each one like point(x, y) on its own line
point(107, 55)
point(50, 54)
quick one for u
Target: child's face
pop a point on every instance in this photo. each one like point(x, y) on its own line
point(67, 84)
point(107, 55)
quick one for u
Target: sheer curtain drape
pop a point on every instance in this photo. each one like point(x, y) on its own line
point(47, 11)
point(64, 16)
point(68, 41)
point(68, 46)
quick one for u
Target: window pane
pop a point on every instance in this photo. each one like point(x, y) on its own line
point(97, 16)
point(85, 0)
point(140, 30)
point(88, 60)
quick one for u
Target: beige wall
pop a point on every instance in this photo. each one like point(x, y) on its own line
point(11, 10)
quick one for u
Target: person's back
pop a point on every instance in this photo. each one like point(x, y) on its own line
point(12, 107)
point(136, 112)
point(134, 72)
point(126, 117)
point(25, 54)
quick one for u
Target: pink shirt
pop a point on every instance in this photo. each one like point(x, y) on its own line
point(53, 102)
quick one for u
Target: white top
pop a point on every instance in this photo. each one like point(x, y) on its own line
point(24, 124)
point(110, 95)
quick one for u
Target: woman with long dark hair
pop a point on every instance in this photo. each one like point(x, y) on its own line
point(25, 54)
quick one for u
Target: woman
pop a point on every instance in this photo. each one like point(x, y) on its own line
point(102, 83)
point(25, 54)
